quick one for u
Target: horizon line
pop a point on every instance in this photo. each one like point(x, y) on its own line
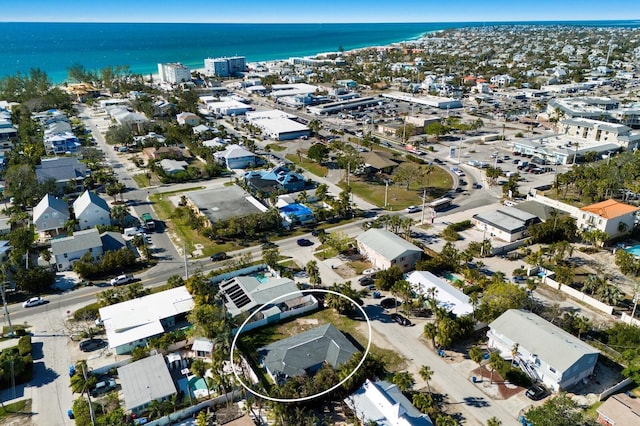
point(320, 22)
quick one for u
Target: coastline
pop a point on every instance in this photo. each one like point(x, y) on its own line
point(55, 47)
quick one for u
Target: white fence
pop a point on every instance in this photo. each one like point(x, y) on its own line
point(539, 197)
point(627, 319)
point(615, 388)
point(191, 411)
point(578, 295)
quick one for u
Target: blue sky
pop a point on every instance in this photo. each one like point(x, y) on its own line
point(251, 11)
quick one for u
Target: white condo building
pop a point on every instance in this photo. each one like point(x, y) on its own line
point(225, 67)
point(174, 73)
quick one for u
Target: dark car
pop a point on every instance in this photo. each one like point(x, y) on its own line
point(388, 303)
point(401, 320)
point(269, 245)
point(303, 242)
point(218, 256)
point(366, 280)
point(536, 392)
point(317, 232)
point(91, 345)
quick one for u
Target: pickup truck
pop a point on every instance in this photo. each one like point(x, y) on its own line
point(122, 279)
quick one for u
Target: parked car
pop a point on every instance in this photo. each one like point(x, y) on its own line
point(317, 232)
point(413, 209)
point(269, 245)
point(388, 303)
point(122, 279)
point(91, 345)
point(303, 242)
point(536, 392)
point(34, 301)
point(72, 370)
point(103, 387)
point(401, 320)
point(216, 257)
point(366, 280)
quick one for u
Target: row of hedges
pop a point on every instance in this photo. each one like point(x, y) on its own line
point(16, 360)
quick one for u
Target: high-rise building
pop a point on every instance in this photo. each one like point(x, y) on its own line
point(174, 73)
point(225, 67)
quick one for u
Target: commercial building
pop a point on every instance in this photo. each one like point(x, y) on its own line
point(224, 106)
point(278, 125)
point(430, 101)
point(173, 73)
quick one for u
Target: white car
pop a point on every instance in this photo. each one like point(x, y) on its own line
point(413, 209)
point(34, 301)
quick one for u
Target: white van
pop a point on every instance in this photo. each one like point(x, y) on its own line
point(130, 232)
point(509, 203)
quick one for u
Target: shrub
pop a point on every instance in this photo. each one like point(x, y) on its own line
point(89, 312)
point(415, 159)
point(449, 234)
point(518, 377)
point(24, 345)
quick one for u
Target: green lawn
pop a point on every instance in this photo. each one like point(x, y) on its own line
point(315, 168)
point(142, 180)
point(21, 408)
point(398, 196)
point(275, 147)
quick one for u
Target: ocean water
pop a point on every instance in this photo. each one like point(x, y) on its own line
point(54, 47)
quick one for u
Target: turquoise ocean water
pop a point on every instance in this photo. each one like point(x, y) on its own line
point(54, 47)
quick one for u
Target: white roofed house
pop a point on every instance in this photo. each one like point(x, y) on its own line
point(236, 157)
point(545, 352)
point(446, 295)
point(383, 404)
point(385, 249)
point(67, 250)
point(188, 118)
point(50, 216)
point(130, 324)
point(91, 210)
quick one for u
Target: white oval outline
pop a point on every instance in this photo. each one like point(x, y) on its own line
point(306, 398)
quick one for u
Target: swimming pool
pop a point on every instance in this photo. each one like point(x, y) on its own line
point(261, 277)
point(634, 250)
point(197, 383)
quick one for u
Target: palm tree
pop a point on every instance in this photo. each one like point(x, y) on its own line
point(476, 354)
point(311, 268)
point(496, 362)
point(119, 212)
point(514, 352)
point(430, 332)
point(493, 421)
point(403, 380)
point(426, 373)
point(199, 368)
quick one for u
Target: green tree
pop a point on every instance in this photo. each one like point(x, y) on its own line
point(494, 421)
point(498, 298)
point(496, 362)
point(271, 256)
point(436, 129)
point(35, 280)
point(385, 279)
point(426, 373)
point(199, 369)
point(318, 152)
point(311, 268)
point(558, 411)
point(477, 355)
point(341, 304)
point(403, 380)
point(21, 184)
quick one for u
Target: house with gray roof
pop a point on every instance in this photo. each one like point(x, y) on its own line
point(306, 353)
point(547, 353)
point(383, 404)
point(277, 299)
point(171, 167)
point(91, 210)
point(506, 223)
point(385, 249)
point(145, 381)
point(66, 251)
point(64, 171)
point(50, 216)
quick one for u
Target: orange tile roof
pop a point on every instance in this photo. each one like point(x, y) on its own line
point(609, 209)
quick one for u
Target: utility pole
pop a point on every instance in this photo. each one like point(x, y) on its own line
point(186, 263)
point(4, 299)
point(91, 412)
point(424, 199)
point(386, 192)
